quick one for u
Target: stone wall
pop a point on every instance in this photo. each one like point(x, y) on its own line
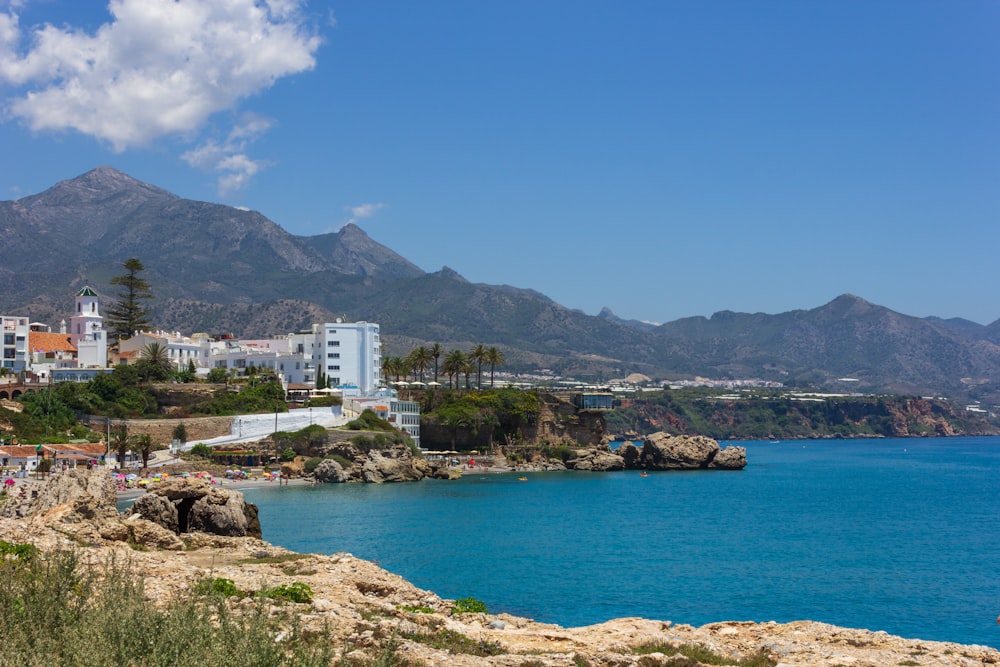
point(162, 430)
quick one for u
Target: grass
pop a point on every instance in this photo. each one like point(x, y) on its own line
point(456, 642)
point(695, 654)
point(54, 611)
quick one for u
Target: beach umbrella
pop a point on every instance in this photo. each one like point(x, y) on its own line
point(8, 482)
point(131, 476)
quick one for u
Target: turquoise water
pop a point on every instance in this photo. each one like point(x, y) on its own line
point(894, 535)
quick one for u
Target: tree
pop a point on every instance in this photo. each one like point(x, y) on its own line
point(478, 357)
point(393, 366)
point(418, 360)
point(120, 442)
point(494, 358)
point(180, 433)
point(436, 351)
point(145, 444)
point(154, 362)
point(129, 314)
point(454, 364)
point(216, 375)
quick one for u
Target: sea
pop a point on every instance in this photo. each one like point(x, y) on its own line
point(900, 535)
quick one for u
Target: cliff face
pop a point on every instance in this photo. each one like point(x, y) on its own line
point(795, 417)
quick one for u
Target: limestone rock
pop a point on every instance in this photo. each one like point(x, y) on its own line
point(730, 458)
point(597, 460)
point(182, 488)
point(148, 534)
point(158, 509)
point(331, 472)
point(662, 451)
point(394, 465)
point(224, 512)
point(83, 494)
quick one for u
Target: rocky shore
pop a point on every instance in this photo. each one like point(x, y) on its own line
point(185, 531)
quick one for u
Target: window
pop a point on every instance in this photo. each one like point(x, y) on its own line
point(333, 368)
point(334, 380)
point(333, 355)
point(333, 343)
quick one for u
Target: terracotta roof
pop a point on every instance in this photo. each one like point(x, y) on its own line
point(49, 342)
point(19, 451)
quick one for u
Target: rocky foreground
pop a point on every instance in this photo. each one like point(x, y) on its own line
point(365, 608)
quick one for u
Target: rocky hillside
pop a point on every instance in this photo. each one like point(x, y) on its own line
point(220, 269)
point(368, 613)
point(788, 417)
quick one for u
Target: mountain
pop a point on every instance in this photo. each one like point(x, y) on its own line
point(218, 269)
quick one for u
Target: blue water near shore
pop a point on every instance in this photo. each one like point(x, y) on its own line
point(895, 535)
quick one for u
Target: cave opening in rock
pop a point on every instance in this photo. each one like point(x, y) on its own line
point(183, 511)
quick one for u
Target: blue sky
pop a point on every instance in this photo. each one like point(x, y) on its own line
point(664, 159)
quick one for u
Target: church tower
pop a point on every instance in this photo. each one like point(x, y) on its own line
point(87, 330)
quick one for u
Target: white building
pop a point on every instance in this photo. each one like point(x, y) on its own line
point(181, 350)
point(404, 415)
point(87, 331)
point(349, 354)
point(14, 346)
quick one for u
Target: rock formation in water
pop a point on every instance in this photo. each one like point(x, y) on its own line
point(661, 451)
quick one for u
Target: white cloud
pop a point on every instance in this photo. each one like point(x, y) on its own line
point(229, 158)
point(365, 210)
point(159, 67)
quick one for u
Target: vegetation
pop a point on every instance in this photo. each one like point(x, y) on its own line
point(491, 415)
point(369, 421)
point(456, 642)
point(694, 655)
point(469, 605)
point(129, 314)
point(56, 611)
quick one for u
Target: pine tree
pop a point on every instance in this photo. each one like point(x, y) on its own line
point(129, 314)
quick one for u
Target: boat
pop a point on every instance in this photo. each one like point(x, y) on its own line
point(644, 474)
point(522, 479)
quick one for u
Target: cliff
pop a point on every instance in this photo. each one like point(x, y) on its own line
point(368, 613)
point(767, 415)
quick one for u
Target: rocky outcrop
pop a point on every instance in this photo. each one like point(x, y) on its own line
point(76, 494)
point(662, 451)
point(596, 459)
point(183, 505)
point(395, 464)
point(330, 472)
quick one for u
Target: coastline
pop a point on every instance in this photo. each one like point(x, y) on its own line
point(368, 610)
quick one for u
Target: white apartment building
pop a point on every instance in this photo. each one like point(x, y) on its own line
point(404, 415)
point(14, 346)
point(181, 350)
point(349, 354)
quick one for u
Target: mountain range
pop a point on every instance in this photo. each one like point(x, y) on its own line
point(221, 269)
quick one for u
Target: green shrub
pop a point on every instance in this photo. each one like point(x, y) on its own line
point(201, 450)
point(294, 592)
point(469, 605)
point(218, 586)
point(288, 454)
point(311, 464)
point(19, 551)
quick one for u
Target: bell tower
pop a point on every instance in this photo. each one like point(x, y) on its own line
point(87, 330)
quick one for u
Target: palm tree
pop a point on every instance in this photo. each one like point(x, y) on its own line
point(436, 351)
point(478, 356)
point(393, 366)
point(494, 358)
point(468, 369)
point(454, 363)
point(418, 360)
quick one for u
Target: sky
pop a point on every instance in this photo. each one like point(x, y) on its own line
point(662, 158)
